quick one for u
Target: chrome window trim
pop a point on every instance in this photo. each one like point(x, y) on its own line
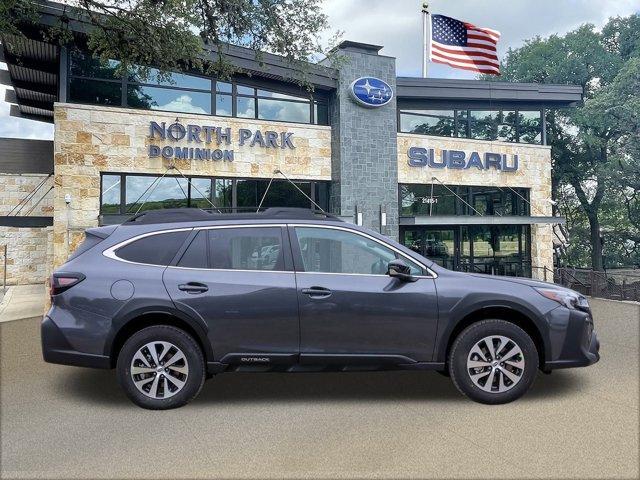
point(432, 274)
point(175, 267)
point(110, 252)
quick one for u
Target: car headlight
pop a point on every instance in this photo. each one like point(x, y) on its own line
point(566, 298)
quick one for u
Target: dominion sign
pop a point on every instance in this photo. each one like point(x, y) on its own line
point(199, 136)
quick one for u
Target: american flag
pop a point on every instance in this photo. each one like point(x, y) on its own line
point(463, 45)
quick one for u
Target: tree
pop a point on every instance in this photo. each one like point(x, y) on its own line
point(594, 145)
point(172, 35)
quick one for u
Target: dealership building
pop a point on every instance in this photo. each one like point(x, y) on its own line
point(458, 170)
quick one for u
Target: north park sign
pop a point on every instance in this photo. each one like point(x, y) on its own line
point(457, 159)
point(199, 136)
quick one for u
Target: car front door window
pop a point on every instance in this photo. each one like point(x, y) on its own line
point(326, 250)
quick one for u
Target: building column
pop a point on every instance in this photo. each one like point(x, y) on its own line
point(364, 142)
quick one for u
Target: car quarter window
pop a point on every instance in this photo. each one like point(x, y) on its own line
point(157, 249)
point(328, 250)
point(247, 248)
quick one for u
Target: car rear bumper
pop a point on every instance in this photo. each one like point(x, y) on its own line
point(57, 349)
point(580, 346)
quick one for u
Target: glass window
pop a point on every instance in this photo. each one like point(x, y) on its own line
point(247, 193)
point(242, 90)
point(224, 87)
point(337, 251)
point(506, 124)
point(322, 190)
point(267, 93)
point(223, 105)
point(417, 200)
point(83, 64)
point(152, 193)
point(201, 193)
point(245, 107)
point(283, 194)
point(285, 111)
point(246, 248)
point(95, 92)
point(157, 98)
point(110, 201)
point(462, 119)
point(529, 127)
point(222, 193)
point(155, 249)
point(428, 122)
point(196, 254)
point(450, 200)
point(321, 113)
point(483, 125)
point(152, 75)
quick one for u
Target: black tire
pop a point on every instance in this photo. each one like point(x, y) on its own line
point(194, 361)
point(460, 373)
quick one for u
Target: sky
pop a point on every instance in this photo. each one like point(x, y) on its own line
point(397, 25)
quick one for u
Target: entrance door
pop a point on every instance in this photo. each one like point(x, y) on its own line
point(240, 282)
point(439, 244)
point(350, 309)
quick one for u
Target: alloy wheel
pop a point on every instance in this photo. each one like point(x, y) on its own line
point(495, 364)
point(159, 370)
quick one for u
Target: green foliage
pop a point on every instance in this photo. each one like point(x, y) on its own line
point(596, 146)
point(172, 35)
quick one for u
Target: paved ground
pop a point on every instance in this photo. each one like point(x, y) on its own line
point(22, 301)
point(64, 422)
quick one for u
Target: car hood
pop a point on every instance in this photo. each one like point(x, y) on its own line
point(519, 280)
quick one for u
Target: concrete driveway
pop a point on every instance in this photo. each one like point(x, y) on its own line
point(66, 422)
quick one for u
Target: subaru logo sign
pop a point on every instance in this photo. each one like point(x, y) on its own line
point(371, 92)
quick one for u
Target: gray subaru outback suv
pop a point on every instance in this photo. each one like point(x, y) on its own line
point(172, 297)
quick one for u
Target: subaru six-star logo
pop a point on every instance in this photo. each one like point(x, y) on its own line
point(371, 92)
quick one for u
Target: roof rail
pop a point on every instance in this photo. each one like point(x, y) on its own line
point(172, 215)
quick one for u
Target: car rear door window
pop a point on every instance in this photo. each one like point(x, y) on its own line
point(254, 248)
point(157, 249)
point(195, 256)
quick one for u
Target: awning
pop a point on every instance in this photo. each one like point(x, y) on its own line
point(479, 220)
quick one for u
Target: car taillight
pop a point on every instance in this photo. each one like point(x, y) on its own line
point(64, 281)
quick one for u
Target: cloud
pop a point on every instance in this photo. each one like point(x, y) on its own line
point(183, 103)
point(397, 25)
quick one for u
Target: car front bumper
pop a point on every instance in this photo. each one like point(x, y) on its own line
point(574, 342)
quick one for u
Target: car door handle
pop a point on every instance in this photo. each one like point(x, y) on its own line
point(193, 287)
point(317, 292)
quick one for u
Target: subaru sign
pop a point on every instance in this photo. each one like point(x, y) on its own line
point(371, 92)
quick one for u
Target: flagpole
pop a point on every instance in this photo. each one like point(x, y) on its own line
point(426, 37)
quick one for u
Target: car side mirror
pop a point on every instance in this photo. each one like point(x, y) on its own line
point(400, 270)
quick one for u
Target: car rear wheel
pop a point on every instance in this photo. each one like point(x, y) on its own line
point(161, 367)
point(493, 361)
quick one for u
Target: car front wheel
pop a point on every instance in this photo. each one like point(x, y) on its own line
point(161, 367)
point(493, 361)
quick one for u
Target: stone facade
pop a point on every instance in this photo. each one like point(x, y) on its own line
point(363, 142)
point(28, 249)
point(534, 173)
point(91, 139)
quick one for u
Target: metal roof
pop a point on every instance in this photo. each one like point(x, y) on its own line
point(33, 73)
point(477, 91)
